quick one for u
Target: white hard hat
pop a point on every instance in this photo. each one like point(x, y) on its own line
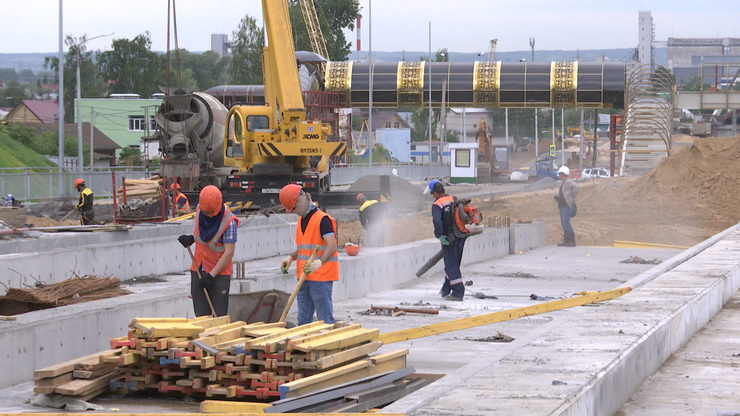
point(564, 170)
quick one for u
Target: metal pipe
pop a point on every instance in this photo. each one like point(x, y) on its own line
point(480, 84)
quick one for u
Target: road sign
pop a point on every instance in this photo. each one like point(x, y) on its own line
point(552, 150)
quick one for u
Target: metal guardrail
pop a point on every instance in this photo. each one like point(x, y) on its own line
point(41, 183)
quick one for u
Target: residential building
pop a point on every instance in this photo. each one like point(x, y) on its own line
point(124, 118)
point(34, 111)
point(104, 149)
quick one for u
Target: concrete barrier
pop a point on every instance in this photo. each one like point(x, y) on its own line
point(349, 174)
point(46, 337)
point(526, 236)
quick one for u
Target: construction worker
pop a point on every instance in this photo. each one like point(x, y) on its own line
point(180, 201)
point(452, 247)
point(566, 199)
point(316, 230)
point(85, 203)
point(372, 219)
point(214, 236)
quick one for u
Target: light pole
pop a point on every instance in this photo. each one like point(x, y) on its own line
point(80, 162)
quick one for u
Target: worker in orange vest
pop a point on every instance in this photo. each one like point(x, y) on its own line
point(181, 202)
point(453, 287)
point(214, 236)
point(316, 229)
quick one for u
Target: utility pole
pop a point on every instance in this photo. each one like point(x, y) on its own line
point(370, 82)
point(92, 136)
point(531, 45)
point(429, 61)
point(60, 96)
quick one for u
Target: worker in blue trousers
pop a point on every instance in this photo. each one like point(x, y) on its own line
point(452, 246)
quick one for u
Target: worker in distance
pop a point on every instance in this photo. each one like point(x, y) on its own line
point(443, 207)
point(215, 236)
point(85, 202)
point(372, 218)
point(179, 200)
point(566, 199)
point(316, 229)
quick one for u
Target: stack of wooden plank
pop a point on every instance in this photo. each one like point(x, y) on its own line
point(148, 190)
point(82, 378)
point(13, 216)
point(214, 357)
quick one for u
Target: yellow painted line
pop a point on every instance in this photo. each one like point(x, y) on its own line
point(480, 320)
point(219, 414)
point(638, 244)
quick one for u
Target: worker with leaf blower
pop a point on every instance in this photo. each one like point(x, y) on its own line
point(85, 203)
point(450, 217)
point(214, 235)
point(316, 229)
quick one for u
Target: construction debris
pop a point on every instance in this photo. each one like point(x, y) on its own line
point(395, 310)
point(499, 337)
point(64, 291)
point(640, 260)
point(13, 217)
point(213, 357)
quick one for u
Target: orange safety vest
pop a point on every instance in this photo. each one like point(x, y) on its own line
point(311, 239)
point(207, 253)
point(186, 206)
point(443, 201)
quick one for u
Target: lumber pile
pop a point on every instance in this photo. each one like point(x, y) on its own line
point(13, 217)
point(216, 358)
point(82, 378)
point(146, 189)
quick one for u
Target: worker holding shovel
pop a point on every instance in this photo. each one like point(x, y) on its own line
point(316, 230)
point(214, 236)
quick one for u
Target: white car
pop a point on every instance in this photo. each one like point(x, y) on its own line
point(593, 173)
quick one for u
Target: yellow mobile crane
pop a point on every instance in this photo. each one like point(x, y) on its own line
point(272, 145)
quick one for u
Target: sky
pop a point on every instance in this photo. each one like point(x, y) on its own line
point(460, 26)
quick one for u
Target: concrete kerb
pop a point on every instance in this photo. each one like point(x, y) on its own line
point(614, 385)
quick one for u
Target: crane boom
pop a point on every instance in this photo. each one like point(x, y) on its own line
point(318, 43)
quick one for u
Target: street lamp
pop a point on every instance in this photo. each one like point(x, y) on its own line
point(82, 42)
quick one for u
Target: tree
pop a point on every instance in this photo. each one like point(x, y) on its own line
point(246, 52)
point(13, 94)
point(334, 16)
point(131, 66)
point(420, 120)
point(442, 55)
point(207, 69)
point(130, 156)
point(8, 74)
point(91, 84)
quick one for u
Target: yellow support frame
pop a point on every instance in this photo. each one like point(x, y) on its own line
point(480, 320)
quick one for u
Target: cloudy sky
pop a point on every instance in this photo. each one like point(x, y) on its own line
point(460, 26)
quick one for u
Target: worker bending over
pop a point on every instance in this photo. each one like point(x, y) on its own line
point(214, 236)
point(372, 219)
point(85, 203)
point(316, 230)
point(452, 247)
point(180, 201)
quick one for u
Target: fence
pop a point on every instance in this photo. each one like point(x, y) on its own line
point(38, 184)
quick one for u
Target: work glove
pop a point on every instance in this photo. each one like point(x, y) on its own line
point(311, 266)
point(186, 240)
point(285, 264)
point(443, 240)
point(206, 280)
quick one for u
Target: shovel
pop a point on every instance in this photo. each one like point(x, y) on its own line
point(297, 288)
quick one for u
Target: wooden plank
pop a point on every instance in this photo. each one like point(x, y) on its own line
point(325, 334)
point(81, 387)
point(339, 341)
point(219, 406)
point(259, 329)
point(326, 375)
point(288, 390)
point(65, 367)
point(261, 342)
point(53, 381)
point(88, 374)
point(480, 320)
point(342, 357)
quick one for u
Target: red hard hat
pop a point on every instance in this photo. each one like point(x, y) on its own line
point(210, 200)
point(359, 197)
point(174, 186)
point(352, 250)
point(78, 182)
point(289, 195)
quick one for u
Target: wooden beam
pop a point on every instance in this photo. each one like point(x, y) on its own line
point(219, 406)
point(338, 341)
point(65, 367)
point(480, 320)
point(342, 357)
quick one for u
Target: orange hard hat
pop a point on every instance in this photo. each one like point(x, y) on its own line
point(210, 200)
point(78, 182)
point(361, 198)
point(352, 250)
point(174, 186)
point(289, 196)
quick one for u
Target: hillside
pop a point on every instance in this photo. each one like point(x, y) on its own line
point(15, 154)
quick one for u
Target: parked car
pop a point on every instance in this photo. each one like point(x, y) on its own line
point(593, 173)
